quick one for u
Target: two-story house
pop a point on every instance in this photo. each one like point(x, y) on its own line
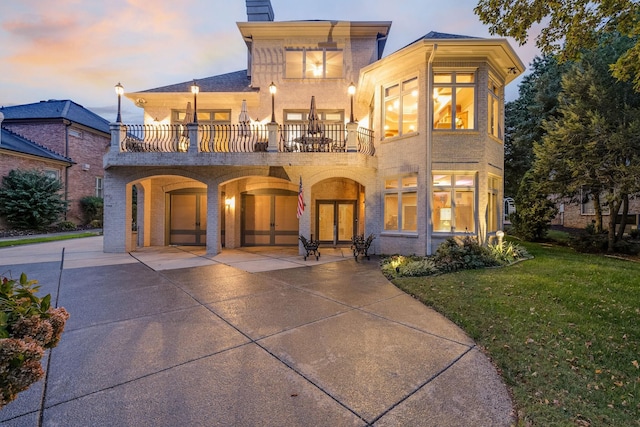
point(79, 137)
point(407, 147)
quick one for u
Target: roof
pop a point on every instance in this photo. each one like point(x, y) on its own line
point(434, 35)
point(13, 142)
point(56, 109)
point(236, 81)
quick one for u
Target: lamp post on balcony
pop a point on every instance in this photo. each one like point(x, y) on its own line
point(119, 91)
point(352, 91)
point(195, 89)
point(272, 90)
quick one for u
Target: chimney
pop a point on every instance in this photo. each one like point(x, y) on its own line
point(259, 10)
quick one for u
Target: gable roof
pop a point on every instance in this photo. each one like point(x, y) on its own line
point(56, 109)
point(13, 142)
point(236, 81)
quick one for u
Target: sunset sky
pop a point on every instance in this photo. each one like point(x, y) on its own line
point(79, 49)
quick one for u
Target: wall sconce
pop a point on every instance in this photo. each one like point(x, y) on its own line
point(195, 89)
point(230, 202)
point(352, 91)
point(119, 91)
point(272, 90)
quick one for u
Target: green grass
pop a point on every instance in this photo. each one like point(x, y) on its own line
point(52, 238)
point(563, 329)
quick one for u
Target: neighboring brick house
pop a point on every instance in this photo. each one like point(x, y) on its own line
point(407, 147)
point(72, 131)
point(581, 214)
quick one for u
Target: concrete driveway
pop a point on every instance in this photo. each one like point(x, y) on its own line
point(171, 337)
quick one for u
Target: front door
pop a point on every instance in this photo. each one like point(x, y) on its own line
point(336, 221)
point(188, 218)
point(269, 218)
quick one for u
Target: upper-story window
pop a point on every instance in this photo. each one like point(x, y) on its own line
point(454, 100)
point(400, 114)
point(493, 108)
point(313, 63)
point(205, 117)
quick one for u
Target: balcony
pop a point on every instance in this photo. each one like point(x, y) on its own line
point(242, 138)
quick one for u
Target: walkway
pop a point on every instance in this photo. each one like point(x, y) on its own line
point(169, 337)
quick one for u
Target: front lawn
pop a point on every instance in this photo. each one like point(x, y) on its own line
point(563, 329)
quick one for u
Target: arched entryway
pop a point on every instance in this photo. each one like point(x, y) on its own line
point(269, 217)
point(339, 210)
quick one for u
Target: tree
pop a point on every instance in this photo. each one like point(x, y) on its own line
point(524, 118)
point(31, 199)
point(532, 219)
point(593, 146)
point(569, 27)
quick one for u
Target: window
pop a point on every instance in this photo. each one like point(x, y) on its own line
point(493, 109)
point(454, 89)
point(75, 133)
point(205, 117)
point(453, 203)
point(302, 116)
point(401, 204)
point(493, 206)
point(587, 207)
point(401, 108)
point(313, 63)
point(99, 186)
point(52, 173)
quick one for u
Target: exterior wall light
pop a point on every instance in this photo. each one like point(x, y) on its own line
point(195, 89)
point(119, 91)
point(352, 91)
point(272, 91)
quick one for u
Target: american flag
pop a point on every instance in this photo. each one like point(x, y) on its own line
point(300, 201)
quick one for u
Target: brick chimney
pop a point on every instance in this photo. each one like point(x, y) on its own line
point(259, 10)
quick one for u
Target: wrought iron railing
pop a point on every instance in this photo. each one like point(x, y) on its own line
point(155, 138)
point(233, 138)
point(365, 141)
point(327, 137)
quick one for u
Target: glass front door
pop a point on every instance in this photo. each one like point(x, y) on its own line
point(336, 221)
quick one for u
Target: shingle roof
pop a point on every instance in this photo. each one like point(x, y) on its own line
point(434, 35)
point(237, 81)
point(56, 109)
point(14, 142)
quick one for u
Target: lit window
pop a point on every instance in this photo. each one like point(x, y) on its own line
point(493, 108)
point(52, 173)
point(493, 206)
point(99, 192)
point(401, 108)
point(401, 204)
point(313, 63)
point(205, 117)
point(454, 89)
point(453, 203)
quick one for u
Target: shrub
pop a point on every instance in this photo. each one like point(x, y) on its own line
point(403, 266)
point(532, 219)
point(508, 252)
point(452, 255)
point(67, 226)
point(31, 199)
point(93, 208)
point(589, 242)
point(28, 325)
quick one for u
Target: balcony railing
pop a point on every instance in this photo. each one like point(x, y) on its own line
point(241, 138)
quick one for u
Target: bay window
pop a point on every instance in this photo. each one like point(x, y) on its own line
point(454, 100)
point(401, 204)
point(493, 109)
point(401, 108)
point(453, 203)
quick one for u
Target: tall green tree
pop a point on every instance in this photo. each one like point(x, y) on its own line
point(568, 27)
point(593, 146)
point(29, 199)
point(524, 118)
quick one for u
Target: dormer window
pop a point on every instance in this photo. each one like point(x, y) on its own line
point(313, 63)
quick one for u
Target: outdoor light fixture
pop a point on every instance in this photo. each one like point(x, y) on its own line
point(119, 91)
point(272, 90)
point(195, 89)
point(352, 91)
